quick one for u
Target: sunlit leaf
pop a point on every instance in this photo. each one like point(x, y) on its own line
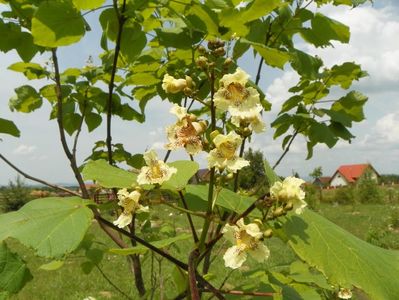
point(108, 176)
point(57, 23)
point(8, 127)
point(26, 100)
point(52, 226)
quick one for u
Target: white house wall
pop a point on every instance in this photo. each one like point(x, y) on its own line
point(338, 180)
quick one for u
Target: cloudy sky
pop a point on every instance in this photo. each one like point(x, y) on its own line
point(374, 44)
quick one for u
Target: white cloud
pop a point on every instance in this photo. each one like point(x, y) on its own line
point(387, 128)
point(24, 149)
point(373, 44)
point(277, 92)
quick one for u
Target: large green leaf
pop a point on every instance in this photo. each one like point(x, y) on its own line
point(27, 99)
point(30, 70)
point(85, 4)
point(8, 127)
point(186, 169)
point(224, 198)
point(343, 258)
point(52, 226)
point(57, 23)
point(159, 244)
point(108, 176)
point(272, 56)
point(324, 30)
point(14, 273)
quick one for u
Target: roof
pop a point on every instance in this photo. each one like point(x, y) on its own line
point(324, 180)
point(352, 172)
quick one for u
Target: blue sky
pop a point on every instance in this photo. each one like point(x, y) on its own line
point(374, 44)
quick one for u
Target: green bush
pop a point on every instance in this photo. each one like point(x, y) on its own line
point(15, 195)
point(368, 190)
point(345, 195)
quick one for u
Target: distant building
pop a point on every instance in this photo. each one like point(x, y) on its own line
point(203, 175)
point(322, 182)
point(350, 174)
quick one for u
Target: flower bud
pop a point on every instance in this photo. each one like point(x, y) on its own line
point(214, 134)
point(246, 132)
point(268, 233)
point(219, 51)
point(189, 81)
point(202, 62)
point(227, 61)
point(201, 49)
point(187, 91)
point(289, 206)
point(279, 211)
point(230, 176)
point(212, 45)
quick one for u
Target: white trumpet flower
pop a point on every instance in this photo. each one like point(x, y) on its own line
point(130, 204)
point(290, 190)
point(156, 170)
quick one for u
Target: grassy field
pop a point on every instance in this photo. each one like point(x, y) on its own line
point(69, 282)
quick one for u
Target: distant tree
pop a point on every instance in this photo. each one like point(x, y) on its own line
point(389, 178)
point(367, 189)
point(15, 195)
point(295, 174)
point(253, 177)
point(316, 173)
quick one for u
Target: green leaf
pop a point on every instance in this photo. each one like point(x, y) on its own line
point(8, 127)
point(132, 43)
point(324, 30)
point(87, 4)
point(57, 23)
point(143, 78)
point(306, 65)
point(207, 17)
point(272, 56)
point(321, 133)
point(14, 273)
point(71, 122)
point(343, 258)
point(224, 198)
point(53, 265)
point(345, 74)
point(159, 244)
point(258, 8)
point(52, 226)
point(186, 169)
point(270, 174)
point(352, 105)
point(108, 176)
point(92, 120)
point(26, 99)
point(30, 70)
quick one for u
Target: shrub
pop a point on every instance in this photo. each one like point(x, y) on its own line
point(345, 195)
point(15, 195)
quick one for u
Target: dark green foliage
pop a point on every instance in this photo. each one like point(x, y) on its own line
point(345, 195)
point(367, 190)
point(15, 195)
point(253, 177)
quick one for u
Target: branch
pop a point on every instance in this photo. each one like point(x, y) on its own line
point(54, 186)
point(286, 149)
point(237, 173)
point(190, 220)
point(75, 142)
point(192, 279)
point(111, 283)
point(121, 21)
point(242, 293)
point(64, 143)
point(170, 258)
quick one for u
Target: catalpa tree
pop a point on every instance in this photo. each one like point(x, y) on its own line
point(186, 52)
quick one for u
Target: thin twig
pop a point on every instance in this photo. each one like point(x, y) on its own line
point(238, 172)
point(192, 279)
point(167, 156)
point(111, 283)
point(38, 179)
point(196, 173)
point(190, 220)
point(60, 122)
point(286, 149)
point(242, 293)
point(75, 142)
point(111, 85)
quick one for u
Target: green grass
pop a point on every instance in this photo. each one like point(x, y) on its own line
point(69, 282)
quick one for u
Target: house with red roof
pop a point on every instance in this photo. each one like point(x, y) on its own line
point(350, 174)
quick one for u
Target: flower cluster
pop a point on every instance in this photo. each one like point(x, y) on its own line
point(130, 204)
point(225, 153)
point(156, 171)
point(243, 103)
point(289, 191)
point(186, 132)
point(247, 240)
